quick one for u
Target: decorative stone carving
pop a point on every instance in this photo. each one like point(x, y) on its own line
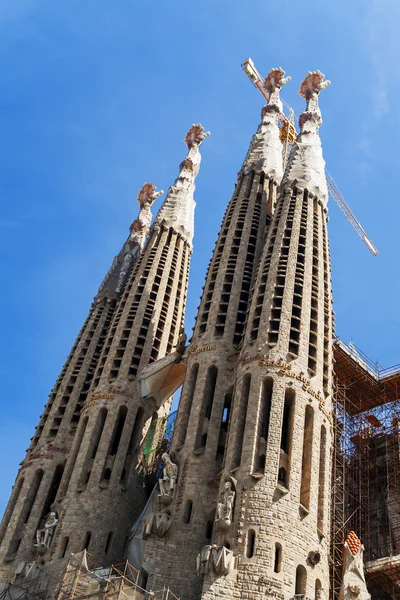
point(139, 230)
point(168, 481)
point(215, 558)
point(353, 584)
point(177, 210)
point(265, 150)
point(44, 535)
point(223, 517)
point(156, 523)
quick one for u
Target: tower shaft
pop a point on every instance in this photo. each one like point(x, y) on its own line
point(201, 430)
point(107, 486)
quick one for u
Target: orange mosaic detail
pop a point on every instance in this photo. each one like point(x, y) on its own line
point(353, 542)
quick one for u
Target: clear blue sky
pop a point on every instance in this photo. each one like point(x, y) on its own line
point(96, 97)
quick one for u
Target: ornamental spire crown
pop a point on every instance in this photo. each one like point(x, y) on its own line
point(177, 210)
point(265, 150)
point(141, 225)
point(306, 165)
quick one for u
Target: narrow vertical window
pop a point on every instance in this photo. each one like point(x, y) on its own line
point(86, 541)
point(286, 438)
point(26, 511)
point(133, 443)
point(31, 497)
point(321, 482)
point(278, 558)
point(187, 514)
point(64, 547)
point(98, 431)
point(10, 508)
point(251, 542)
point(92, 449)
point(223, 430)
point(301, 580)
point(53, 489)
point(263, 424)
point(305, 489)
point(114, 442)
point(119, 427)
point(108, 542)
point(71, 462)
point(208, 397)
point(241, 419)
point(186, 405)
point(318, 590)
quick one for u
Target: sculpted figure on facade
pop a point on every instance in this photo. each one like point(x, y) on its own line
point(217, 559)
point(353, 586)
point(156, 523)
point(44, 535)
point(223, 517)
point(168, 481)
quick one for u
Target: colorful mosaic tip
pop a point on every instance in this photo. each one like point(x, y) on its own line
point(147, 195)
point(313, 84)
point(196, 135)
point(275, 79)
point(353, 542)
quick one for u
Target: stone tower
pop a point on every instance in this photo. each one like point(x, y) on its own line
point(42, 470)
point(94, 484)
point(253, 504)
point(201, 429)
point(106, 490)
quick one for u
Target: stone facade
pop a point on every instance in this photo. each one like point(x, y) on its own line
point(42, 475)
point(253, 432)
point(92, 474)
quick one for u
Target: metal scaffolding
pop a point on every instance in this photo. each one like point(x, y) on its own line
point(366, 468)
point(73, 579)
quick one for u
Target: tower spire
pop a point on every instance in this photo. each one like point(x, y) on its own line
point(177, 210)
point(306, 164)
point(115, 279)
point(265, 151)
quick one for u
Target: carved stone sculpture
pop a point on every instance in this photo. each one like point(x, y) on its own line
point(156, 523)
point(218, 559)
point(223, 517)
point(168, 481)
point(44, 535)
point(353, 586)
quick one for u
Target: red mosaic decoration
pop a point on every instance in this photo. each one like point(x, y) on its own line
point(195, 135)
point(146, 194)
point(353, 542)
point(275, 79)
point(313, 84)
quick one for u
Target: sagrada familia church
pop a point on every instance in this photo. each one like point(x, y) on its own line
point(281, 469)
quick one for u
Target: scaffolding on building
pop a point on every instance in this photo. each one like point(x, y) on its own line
point(366, 468)
point(74, 579)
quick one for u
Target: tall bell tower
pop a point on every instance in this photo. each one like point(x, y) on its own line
point(202, 430)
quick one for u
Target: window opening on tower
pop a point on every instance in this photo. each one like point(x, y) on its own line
point(321, 482)
point(263, 424)
point(206, 408)
point(278, 558)
point(251, 541)
point(286, 437)
point(305, 488)
point(186, 406)
point(241, 420)
point(223, 430)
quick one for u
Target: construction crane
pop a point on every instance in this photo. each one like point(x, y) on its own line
point(288, 135)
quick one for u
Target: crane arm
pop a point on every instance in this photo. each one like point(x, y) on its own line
point(344, 207)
